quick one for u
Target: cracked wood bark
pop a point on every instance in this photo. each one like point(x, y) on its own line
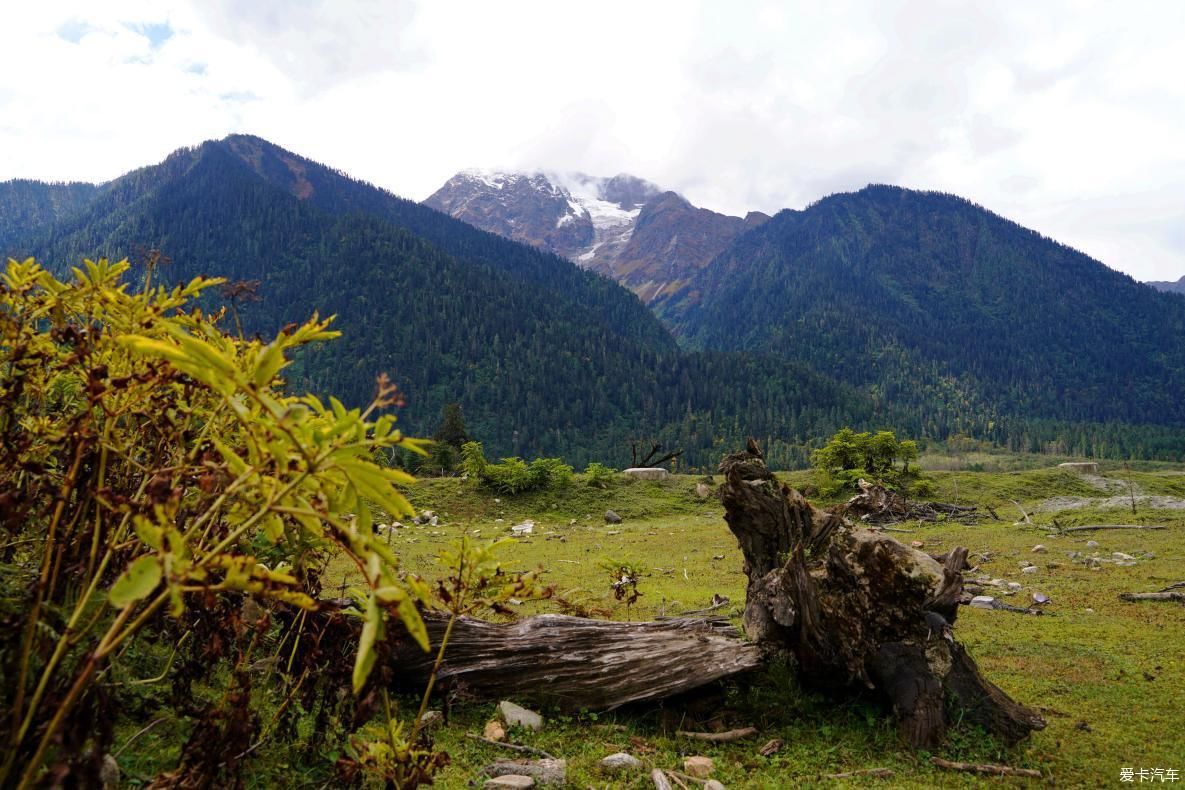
point(847, 604)
point(579, 663)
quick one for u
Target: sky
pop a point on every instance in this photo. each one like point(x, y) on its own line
point(1068, 117)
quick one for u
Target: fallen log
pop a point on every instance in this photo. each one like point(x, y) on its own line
point(851, 607)
point(660, 780)
point(1095, 527)
point(985, 769)
point(720, 737)
point(575, 663)
point(874, 773)
point(1166, 595)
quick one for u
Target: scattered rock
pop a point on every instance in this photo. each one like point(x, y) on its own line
point(703, 490)
point(525, 528)
point(1039, 549)
point(699, 767)
point(1029, 569)
point(544, 772)
point(1088, 611)
point(983, 602)
point(712, 784)
point(432, 719)
point(1040, 599)
point(1092, 544)
point(510, 781)
point(494, 731)
point(647, 473)
point(1119, 555)
point(612, 518)
point(620, 762)
point(917, 544)
point(1014, 586)
point(518, 716)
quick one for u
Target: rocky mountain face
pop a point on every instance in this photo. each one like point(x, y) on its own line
point(650, 240)
point(1170, 286)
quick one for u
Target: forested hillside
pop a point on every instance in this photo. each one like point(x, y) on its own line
point(27, 207)
point(544, 358)
point(963, 319)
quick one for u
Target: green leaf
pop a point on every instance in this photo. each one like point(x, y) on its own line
point(137, 582)
point(371, 632)
point(414, 624)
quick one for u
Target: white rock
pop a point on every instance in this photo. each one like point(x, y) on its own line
point(712, 784)
point(1014, 586)
point(1092, 544)
point(698, 766)
point(1039, 549)
point(983, 602)
point(647, 473)
point(620, 762)
point(518, 716)
point(1119, 555)
point(523, 528)
point(1029, 569)
point(510, 781)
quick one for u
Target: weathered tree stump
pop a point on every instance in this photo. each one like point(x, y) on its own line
point(850, 606)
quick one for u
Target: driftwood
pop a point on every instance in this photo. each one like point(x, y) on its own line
point(1095, 527)
point(986, 769)
point(876, 504)
point(850, 606)
point(577, 663)
point(1022, 511)
point(660, 780)
point(1165, 595)
point(720, 737)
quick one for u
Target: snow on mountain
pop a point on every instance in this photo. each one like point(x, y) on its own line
point(625, 227)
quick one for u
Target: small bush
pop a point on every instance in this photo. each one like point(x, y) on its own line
point(598, 475)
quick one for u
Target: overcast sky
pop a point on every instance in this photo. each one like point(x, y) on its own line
point(1068, 117)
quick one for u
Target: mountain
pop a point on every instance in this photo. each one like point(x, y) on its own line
point(27, 207)
point(647, 239)
point(947, 310)
point(545, 358)
point(1168, 286)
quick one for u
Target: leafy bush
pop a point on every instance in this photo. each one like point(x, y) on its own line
point(598, 475)
point(514, 475)
point(157, 481)
point(849, 456)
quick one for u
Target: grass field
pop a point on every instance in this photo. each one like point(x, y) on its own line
point(1109, 676)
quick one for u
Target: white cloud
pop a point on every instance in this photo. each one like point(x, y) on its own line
point(1066, 116)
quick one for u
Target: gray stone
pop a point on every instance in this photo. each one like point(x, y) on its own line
point(612, 518)
point(712, 784)
point(1014, 586)
point(703, 490)
point(544, 772)
point(647, 473)
point(1092, 544)
point(983, 602)
point(432, 719)
point(518, 716)
point(510, 781)
point(1029, 569)
point(1039, 549)
point(1119, 555)
point(621, 762)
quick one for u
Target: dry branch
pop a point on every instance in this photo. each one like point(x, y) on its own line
point(720, 737)
point(1153, 596)
point(514, 746)
point(876, 773)
point(876, 504)
point(660, 780)
point(1022, 511)
point(986, 769)
point(1094, 527)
